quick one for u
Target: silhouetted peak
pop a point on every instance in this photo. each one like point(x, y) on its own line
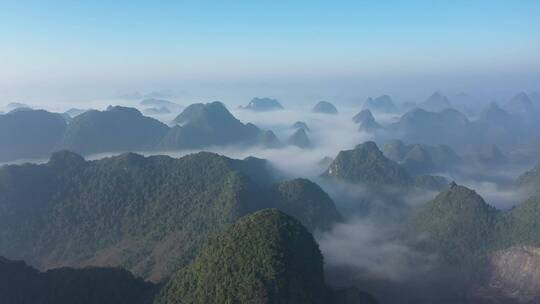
point(369, 146)
point(204, 112)
point(324, 107)
point(363, 116)
point(300, 139)
point(301, 125)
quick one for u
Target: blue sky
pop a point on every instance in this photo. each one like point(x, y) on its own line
point(118, 43)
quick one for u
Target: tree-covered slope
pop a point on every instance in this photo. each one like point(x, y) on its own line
point(266, 257)
point(459, 223)
point(22, 284)
point(148, 214)
point(366, 164)
point(448, 127)
point(530, 181)
point(521, 225)
point(29, 134)
point(306, 201)
point(118, 129)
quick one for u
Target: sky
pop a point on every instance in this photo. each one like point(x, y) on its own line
point(301, 49)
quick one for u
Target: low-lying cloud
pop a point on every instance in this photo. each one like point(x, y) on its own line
point(373, 250)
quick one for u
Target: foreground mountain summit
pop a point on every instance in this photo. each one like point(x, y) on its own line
point(266, 257)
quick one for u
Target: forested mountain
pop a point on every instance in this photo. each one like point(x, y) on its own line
point(460, 224)
point(203, 125)
point(30, 134)
point(149, 215)
point(266, 257)
point(118, 129)
point(496, 251)
point(464, 229)
point(530, 180)
point(366, 165)
point(522, 224)
point(307, 202)
point(22, 284)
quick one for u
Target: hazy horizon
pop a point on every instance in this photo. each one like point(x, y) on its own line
point(72, 52)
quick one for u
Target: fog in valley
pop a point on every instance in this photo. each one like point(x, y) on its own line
point(373, 246)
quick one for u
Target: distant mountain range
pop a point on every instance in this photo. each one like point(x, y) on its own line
point(422, 159)
point(161, 104)
point(382, 103)
point(263, 104)
point(37, 133)
point(117, 129)
point(30, 134)
point(202, 125)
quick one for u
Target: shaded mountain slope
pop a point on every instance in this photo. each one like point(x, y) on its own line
point(22, 284)
point(203, 125)
point(266, 257)
point(30, 134)
point(118, 129)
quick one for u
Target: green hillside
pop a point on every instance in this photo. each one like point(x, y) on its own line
point(266, 257)
point(150, 215)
